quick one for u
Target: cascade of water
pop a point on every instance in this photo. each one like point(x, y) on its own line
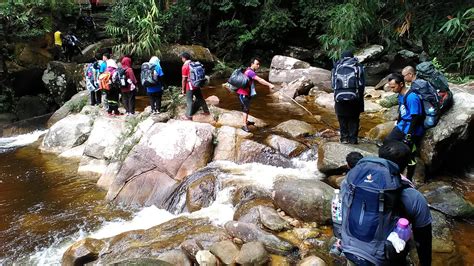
point(20, 140)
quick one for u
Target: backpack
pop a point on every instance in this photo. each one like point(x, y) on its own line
point(119, 79)
point(238, 79)
point(147, 75)
point(105, 80)
point(91, 76)
point(371, 206)
point(346, 80)
point(429, 99)
point(197, 74)
point(428, 72)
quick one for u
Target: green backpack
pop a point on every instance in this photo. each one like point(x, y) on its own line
point(428, 72)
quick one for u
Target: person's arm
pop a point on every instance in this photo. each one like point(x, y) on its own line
point(423, 240)
point(264, 82)
point(415, 108)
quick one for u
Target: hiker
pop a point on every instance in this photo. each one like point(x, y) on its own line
point(151, 79)
point(192, 91)
point(92, 80)
point(113, 93)
point(58, 45)
point(245, 94)
point(348, 83)
point(102, 69)
point(129, 91)
point(71, 46)
point(369, 224)
point(409, 128)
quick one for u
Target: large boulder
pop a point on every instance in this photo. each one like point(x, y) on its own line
point(250, 151)
point(63, 80)
point(369, 52)
point(251, 232)
point(73, 105)
point(287, 147)
point(452, 138)
point(226, 251)
point(31, 106)
point(82, 252)
point(332, 155)
point(228, 139)
point(300, 86)
point(381, 131)
point(164, 156)
point(321, 78)
point(201, 193)
point(280, 62)
point(252, 253)
point(306, 200)
point(312, 261)
point(175, 257)
point(442, 235)
point(69, 132)
point(234, 119)
point(295, 128)
point(30, 55)
point(443, 197)
point(325, 100)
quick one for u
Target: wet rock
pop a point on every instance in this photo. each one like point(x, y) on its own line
point(175, 257)
point(446, 144)
point(250, 151)
point(442, 197)
point(191, 248)
point(285, 146)
point(160, 239)
point(295, 128)
point(369, 52)
point(82, 252)
point(280, 62)
point(271, 220)
point(381, 131)
point(201, 193)
point(140, 262)
point(107, 178)
point(250, 232)
point(293, 89)
point(74, 153)
point(306, 200)
point(234, 119)
point(226, 251)
point(336, 180)
point(312, 261)
point(78, 100)
point(227, 143)
point(69, 132)
point(212, 100)
point(30, 106)
point(321, 78)
point(164, 155)
point(332, 155)
point(371, 93)
point(250, 192)
point(252, 253)
point(371, 107)
point(63, 80)
point(442, 236)
point(325, 100)
point(206, 258)
point(375, 71)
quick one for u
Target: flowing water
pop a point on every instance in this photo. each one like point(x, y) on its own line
point(45, 206)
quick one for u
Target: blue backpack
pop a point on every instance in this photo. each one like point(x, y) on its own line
point(429, 99)
point(346, 79)
point(197, 74)
point(370, 208)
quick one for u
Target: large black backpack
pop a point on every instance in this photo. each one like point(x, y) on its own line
point(429, 101)
point(147, 75)
point(428, 72)
point(371, 206)
point(346, 79)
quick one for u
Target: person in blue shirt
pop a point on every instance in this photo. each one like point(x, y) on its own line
point(409, 128)
point(156, 92)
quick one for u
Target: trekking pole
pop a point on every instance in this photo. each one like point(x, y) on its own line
point(294, 101)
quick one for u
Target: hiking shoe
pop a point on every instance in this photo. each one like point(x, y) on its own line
point(245, 128)
point(344, 141)
point(250, 123)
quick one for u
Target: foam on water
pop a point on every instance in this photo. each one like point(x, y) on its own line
point(21, 140)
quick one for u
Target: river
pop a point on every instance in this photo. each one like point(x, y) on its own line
point(45, 206)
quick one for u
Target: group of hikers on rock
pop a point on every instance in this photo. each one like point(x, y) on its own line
point(379, 215)
point(66, 46)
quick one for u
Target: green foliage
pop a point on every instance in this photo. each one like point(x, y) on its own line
point(76, 106)
point(176, 100)
point(136, 24)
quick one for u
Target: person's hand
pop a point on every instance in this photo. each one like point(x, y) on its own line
point(183, 91)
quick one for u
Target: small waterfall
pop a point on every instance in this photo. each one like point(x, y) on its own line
point(10, 143)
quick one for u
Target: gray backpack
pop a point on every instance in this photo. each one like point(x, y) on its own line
point(346, 80)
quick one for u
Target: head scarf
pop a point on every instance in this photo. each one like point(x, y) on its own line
point(126, 62)
point(111, 63)
point(155, 61)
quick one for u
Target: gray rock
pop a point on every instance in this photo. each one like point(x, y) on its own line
point(176, 257)
point(381, 131)
point(289, 91)
point(30, 106)
point(250, 232)
point(63, 80)
point(332, 155)
point(306, 200)
point(295, 128)
point(254, 152)
point(226, 251)
point(271, 220)
point(206, 258)
point(442, 197)
point(325, 100)
point(442, 235)
point(280, 62)
point(83, 251)
point(227, 139)
point(71, 106)
point(312, 261)
point(252, 253)
point(369, 52)
point(321, 78)
point(234, 119)
point(285, 146)
point(201, 193)
point(299, 53)
point(69, 132)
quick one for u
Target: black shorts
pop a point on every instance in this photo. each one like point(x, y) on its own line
point(244, 103)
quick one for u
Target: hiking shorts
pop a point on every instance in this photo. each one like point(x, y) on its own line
point(244, 103)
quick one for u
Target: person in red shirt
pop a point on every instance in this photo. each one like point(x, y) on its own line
point(129, 91)
point(245, 94)
point(191, 105)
